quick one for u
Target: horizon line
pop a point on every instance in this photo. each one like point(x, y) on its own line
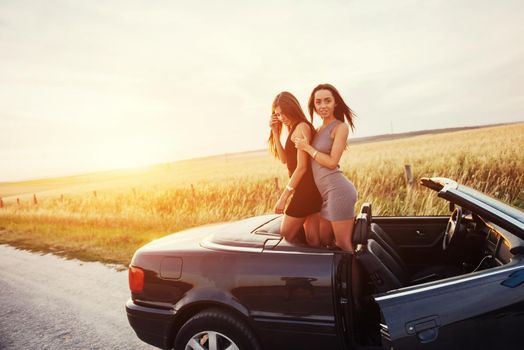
point(357, 140)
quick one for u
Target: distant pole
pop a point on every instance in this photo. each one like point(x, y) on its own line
point(18, 201)
point(35, 201)
point(408, 174)
point(193, 191)
point(391, 125)
point(1, 203)
point(94, 193)
point(61, 198)
point(277, 188)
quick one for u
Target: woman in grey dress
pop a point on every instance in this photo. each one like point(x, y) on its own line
point(338, 193)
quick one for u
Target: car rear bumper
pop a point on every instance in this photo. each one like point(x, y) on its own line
point(152, 325)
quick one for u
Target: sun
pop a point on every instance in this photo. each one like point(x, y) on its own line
point(130, 155)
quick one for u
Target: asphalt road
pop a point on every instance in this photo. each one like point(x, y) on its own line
point(48, 302)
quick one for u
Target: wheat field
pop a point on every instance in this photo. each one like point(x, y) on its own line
point(107, 216)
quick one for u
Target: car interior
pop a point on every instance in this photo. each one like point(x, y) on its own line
point(469, 244)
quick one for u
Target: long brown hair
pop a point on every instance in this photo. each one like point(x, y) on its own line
point(341, 108)
point(290, 107)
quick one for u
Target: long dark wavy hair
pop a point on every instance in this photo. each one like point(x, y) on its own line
point(290, 107)
point(341, 108)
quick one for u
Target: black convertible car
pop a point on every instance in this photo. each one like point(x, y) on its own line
point(432, 282)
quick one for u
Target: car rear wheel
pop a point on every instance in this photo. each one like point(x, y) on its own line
point(215, 329)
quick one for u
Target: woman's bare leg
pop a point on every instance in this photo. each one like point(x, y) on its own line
point(290, 227)
point(343, 231)
point(326, 232)
point(312, 230)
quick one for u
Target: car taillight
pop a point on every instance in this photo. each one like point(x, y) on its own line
point(136, 279)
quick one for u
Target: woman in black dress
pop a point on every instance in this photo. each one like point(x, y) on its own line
point(305, 203)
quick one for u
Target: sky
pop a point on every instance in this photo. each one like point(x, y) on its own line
point(93, 85)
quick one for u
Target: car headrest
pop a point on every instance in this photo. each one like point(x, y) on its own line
point(361, 229)
point(366, 209)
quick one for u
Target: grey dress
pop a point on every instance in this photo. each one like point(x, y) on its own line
point(338, 193)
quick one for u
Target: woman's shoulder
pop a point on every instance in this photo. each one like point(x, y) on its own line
point(341, 125)
point(341, 128)
point(303, 127)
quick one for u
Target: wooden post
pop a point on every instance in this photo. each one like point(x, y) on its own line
point(408, 175)
point(193, 191)
point(1, 203)
point(35, 201)
point(94, 193)
point(18, 201)
point(61, 198)
point(277, 188)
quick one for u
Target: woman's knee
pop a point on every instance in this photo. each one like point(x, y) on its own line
point(288, 233)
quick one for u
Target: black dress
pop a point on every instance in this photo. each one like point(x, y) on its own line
point(306, 199)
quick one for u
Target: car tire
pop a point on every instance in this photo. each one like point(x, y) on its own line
point(220, 327)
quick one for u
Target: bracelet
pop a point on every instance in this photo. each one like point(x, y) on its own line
point(314, 154)
point(289, 188)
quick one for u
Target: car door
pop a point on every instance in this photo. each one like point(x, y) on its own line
point(481, 310)
point(418, 238)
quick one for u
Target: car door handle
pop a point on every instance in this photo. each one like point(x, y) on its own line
point(425, 328)
point(420, 233)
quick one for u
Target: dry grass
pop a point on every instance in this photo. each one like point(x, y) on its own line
point(132, 207)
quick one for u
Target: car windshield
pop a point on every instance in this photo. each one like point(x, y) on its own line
point(270, 228)
point(507, 209)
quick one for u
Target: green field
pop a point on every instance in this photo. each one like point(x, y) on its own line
point(106, 216)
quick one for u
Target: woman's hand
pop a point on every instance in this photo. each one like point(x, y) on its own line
point(301, 142)
point(274, 123)
point(281, 204)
